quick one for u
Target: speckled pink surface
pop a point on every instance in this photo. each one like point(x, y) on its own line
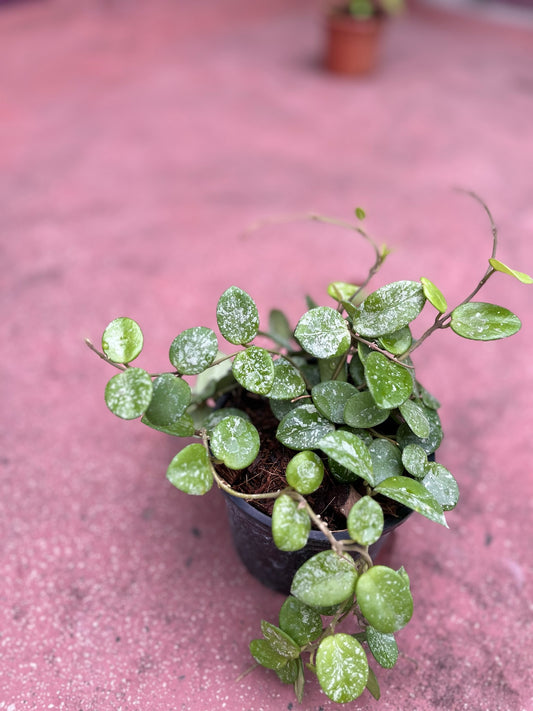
point(136, 142)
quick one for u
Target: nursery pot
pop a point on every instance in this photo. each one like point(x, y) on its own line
point(251, 531)
point(352, 45)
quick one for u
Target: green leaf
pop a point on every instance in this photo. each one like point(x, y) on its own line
point(128, 393)
point(413, 494)
point(365, 521)
point(386, 459)
point(263, 653)
point(360, 213)
point(323, 333)
point(171, 397)
point(280, 408)
point(279, 329)
point(427, 398)
point(254, 370)
point(122, 340)
point(341, 667)
point(217, 416)
point(330, 398)
point(390, 308)
point(289, 673)
point(209, 381)
point(434, 295)
point(349, 450)
point(299, 621)
point(237, 316)
point(414, 415)
point(324, 580)
point(384, 598)
point(442, 485)
point(299, 684)
point(415, 460)
point(430, 443)
point(235, 442)
point(383, 647)
point(329, 367)
point(340, 473)
point(357, 370)
point(373, 685)
point(341, 290)
point(398, 341)
point(193, 350)
point(288, 383)
point(190, 470)
point(501, 267)
point(303, 428)
point(290, 524)
point(184, 427)
point(390, 383)
point(361, 411)
point(280, 641)
point(305, 472)
point(484, 322)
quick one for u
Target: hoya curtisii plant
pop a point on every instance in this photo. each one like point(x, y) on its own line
point(344, 389)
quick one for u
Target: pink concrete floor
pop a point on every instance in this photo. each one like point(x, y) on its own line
point(137, 140)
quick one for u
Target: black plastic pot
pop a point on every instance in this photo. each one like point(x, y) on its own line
point(252, 536)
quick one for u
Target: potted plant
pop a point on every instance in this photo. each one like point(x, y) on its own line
point(353, 34)
point(328, 431)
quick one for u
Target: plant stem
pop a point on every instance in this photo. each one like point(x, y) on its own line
point(315, 518)
point(103, 356)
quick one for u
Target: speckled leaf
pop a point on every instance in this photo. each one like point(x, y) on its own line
point(361, 411)
point(434, 295)
point(235, 442)
point(122, 340)
point(484, 322)
point(397, 342)
point(280, 641)
point(501, 267)
point(171, 397)
point(193, 350)
point(413, 494)
point(289, 673)
point(299, 621)
point(288, 383)
point(414, 415)
point(209, 381)
point(384, 598)
point(386, 459)
point(324, 580)
point(390, 383)
point(341, 290)
point(415, 460)
point(263, 653)
point(329, 367)
point(128, 393)
point(365, 521)
point(279, 328)
point(184, 427)
point(303, 428)
point(330, 398)
point(237, 316)
point(349, 450)
point(383, 647)
point(290, 524)
point(427, 398)
point(323, 332)
point(389, 308)
point(442, 485)
point(190, 470)
point(253, 368)
point(217, 416)
point(430, 443)
point(341, 667)
point(305, 472)
point(280, 408)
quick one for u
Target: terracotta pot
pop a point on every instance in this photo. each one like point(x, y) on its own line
point(352, 45)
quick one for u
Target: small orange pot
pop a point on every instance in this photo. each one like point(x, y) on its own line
point(352, 45)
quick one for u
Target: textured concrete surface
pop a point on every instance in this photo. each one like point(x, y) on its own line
point(137, 140)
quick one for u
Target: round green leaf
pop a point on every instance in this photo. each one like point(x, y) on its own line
point(349, 450)
point(386, 459)
point(390, 383)
point(397, 342)
point(341, 290)
point(430, 443)
point(390, 308)
point(415, 460)
point(413, 494)
point(290, 524)
point(414, 415)
point(299, 621)
point(217, 416)
point(183, 427)
point(501, 267)
point(365, 521)
point(305, 472)
point(303, 428)
point(441, 483)
point(237, 316)
point(434, 295)
point(280, 641)
point(324, 580)
point(235, 442)
point(263, 653)
point(384, 598)
point(193, 350)
point(323, 332)
point(122, 340)
point(361, 411)
point(341, 667)
point(254, 370)
point(288, 383)
point(128, 393)
point(428, 399)
point(383, 647)
point(331, 397)
point(484, 322)
point(172, 396)
point(190, 470)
